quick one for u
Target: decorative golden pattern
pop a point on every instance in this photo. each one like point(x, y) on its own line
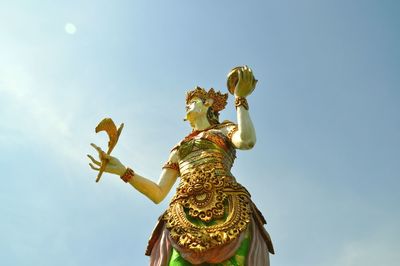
point(219, 99)
point(171, 165)
point(210, 208)
point(241, 101)
point(201, 193)
point(200, 238)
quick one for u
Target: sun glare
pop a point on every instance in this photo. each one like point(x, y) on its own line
point(70, 28)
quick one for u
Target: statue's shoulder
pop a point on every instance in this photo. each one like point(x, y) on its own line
point(176, 147)
point(227, 123)
point(227, 128)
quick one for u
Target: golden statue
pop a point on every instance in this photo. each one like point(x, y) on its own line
point(211, 219)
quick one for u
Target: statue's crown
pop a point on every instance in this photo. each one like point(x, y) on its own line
point(219, 99)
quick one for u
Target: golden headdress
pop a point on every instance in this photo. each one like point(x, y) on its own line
point(219, 99)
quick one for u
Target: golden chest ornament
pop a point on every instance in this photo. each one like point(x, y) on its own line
point(210, 208)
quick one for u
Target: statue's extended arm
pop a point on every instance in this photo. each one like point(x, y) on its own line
point(154, 191)
point(245, 137)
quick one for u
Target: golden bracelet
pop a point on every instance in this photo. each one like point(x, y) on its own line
point(241, 101)
point(129, 174)
point(171, 165)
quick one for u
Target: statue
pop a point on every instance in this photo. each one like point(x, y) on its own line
point(211, 219)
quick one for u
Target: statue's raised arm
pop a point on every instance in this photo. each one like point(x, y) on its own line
point(241, 83)
point(211, 218)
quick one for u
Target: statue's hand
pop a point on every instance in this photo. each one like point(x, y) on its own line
point(113, 165)
point(246, 82)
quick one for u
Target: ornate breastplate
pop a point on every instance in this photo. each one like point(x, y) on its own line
point(209, 208)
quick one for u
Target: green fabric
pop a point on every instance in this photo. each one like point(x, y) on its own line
point(238, 259)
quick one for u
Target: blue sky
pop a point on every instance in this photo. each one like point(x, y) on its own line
point(325, 169)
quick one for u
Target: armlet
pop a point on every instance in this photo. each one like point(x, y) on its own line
point(231, 132)
point(171, 165)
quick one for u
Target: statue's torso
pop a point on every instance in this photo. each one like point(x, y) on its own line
point(209, 208)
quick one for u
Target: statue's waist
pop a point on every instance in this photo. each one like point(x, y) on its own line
point(205, 168)
point(205, 159)
point(207, 190)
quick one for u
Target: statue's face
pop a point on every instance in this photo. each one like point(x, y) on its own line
point(195, 108)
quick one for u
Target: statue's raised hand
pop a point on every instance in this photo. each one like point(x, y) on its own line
point(113, 165)
point(245, 82)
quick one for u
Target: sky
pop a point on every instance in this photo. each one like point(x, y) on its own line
point(324, 171)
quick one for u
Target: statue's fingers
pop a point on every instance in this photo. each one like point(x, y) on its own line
point(240, 75)
point(244, 73)
point(98, 149)
point(94, 160)
point(248, 74)
point(93, 167)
